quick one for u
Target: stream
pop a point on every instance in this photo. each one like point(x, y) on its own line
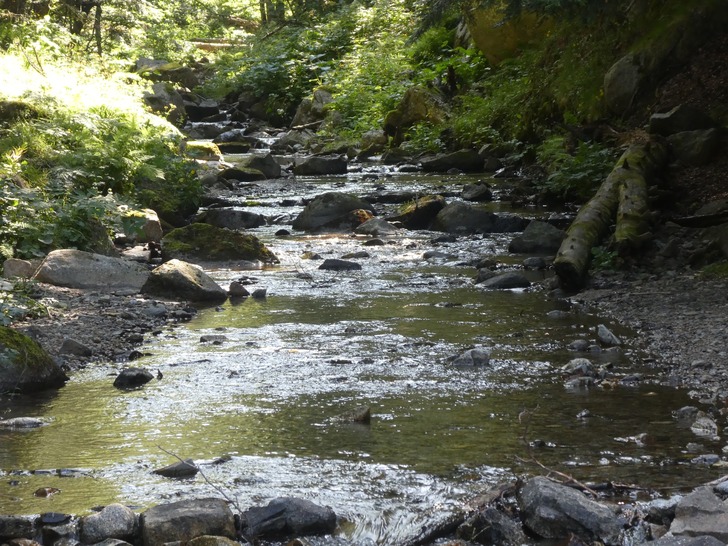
point(258, 409)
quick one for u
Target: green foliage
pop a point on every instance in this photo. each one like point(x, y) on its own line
point(717, 270)
point(574, 171)
point(604, 259)
point(20, 303)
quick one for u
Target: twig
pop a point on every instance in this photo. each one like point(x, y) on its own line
point(569, 479)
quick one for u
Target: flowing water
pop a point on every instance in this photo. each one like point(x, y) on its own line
point(258, 411)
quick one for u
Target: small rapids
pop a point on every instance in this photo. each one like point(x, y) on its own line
point(257, 408)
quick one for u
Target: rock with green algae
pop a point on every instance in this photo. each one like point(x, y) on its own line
point(206, 243)
point(25, 366)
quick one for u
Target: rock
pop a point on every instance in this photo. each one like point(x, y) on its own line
point(199, 112)
point(376, 227)
point(131, 378)
point(202, 150)
point(266, 164)
point(579, 366)
point(704, 426)
point(332, 264)
point(701, 512)
point(662, 511)
point(25, 366)
point(78, 269)
point(242, 174)
point(180, 280)
point(321, 166)
point(465, 160)
point(231, 218)
point(472, 358)
point(420, 214)
point(506, 281)
point(185, 520)
point(329, 209)
point(73, 347)
point(142, 226)
point(554, 511)
point(114, 521)
point(535, 262)
point(695, 148)
point(461, 218)
point(492, 526)
point(238, 290)
point(166, 101)
point(209, 243)
point(259, 294)
point(538, 238)
point(21, 422)
point(606, 336)
point(313, 109)
point(361, 414)
point(480, 191)
point(288, 516)
point(622, 83)
point(679, 119)
point(16, 527)
point(579, 345)
point(214, 338)
point(22, 269)
point(296, 139)
point(180, 469)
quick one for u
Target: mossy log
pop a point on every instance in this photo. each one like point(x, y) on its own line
point(627, 182)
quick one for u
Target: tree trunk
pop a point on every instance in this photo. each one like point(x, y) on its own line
point(628, 178)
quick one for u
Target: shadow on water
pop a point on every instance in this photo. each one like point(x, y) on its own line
point(266, 397)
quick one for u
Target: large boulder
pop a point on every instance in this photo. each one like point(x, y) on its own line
point(288, 516)
point(421, 213)
point(701, 512)
point(208, 243)
point(266, 164)
point(313, 109)
point(622, 83)
point(114, 521)
point(166, 101)
point(185, 520)
point(78, 269)
point(538, 238)
point(180, 280)
point(678, 120)
point(463, 160)
point(231, 218)
point(554, 511)
point(142, 226)
point(695, 148)
point(317, 165)
point(25, 366)
point(462, 218)
point(329, 210)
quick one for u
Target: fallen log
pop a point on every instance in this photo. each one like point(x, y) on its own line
point(591, 224)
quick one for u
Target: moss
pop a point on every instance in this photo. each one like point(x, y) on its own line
point(209, 243)
point(718, 270)
point(24, 365)
point(201, 149)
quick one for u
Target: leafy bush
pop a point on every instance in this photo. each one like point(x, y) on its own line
point(574, 173)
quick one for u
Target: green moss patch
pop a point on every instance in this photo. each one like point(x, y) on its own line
point(203, 242)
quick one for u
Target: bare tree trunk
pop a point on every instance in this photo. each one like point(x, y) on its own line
point(97, 27)
point(626, 182)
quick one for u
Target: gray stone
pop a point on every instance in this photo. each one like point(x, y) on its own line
point(464, 160)
point(552, 510)
point(180, 469)
point(73, 347)
point(538, 238)
point(679, 119)
point(142, 226)
point(15, 268)
point(78, 269)
point(25, 366)
point(114, 521)
point(131, 378)
point(472, 358)
point(480, 191)
point(695, 148)
point(421, 213)
point(461, 218)
point(266, 164)
point(21, 422)
point(687, 541)
point(492, 527)
point(165, 100)
point(622, 84)
point(288, 516)
point(376, 227)
point(704, 426)
point(313, 109)
point(606, 336)
point(579, 366)
point(180, 280)
point(327, 209)
point(321, 166)
point(535, 262)
point(185, 520)
point(332, 264)
point(231, 218)
point(16, 527)
point(701, 513)
point(212, 541)
point(506, 281)
point(662, 511)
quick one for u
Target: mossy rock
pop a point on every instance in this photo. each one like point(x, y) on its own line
point(206, 243)
point(202, 149)
point(25, 366)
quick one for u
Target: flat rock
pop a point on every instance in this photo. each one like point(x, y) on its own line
point(185, 520)
point(538, 238)
point(78, 269)
point(180, 280)
point(131, 378)
point(288, 516)
point(333, 264)
point(701, 512)
point(180, 469)
point(506, 281)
